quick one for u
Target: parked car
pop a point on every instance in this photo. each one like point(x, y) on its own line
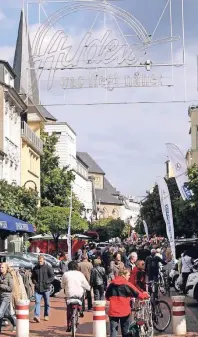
point(56, 285)
point(16, 261)
point(49, 258)
point(31, 257)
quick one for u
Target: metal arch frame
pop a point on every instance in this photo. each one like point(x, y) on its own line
point(135, 25)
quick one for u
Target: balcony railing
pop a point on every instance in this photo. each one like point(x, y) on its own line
point(31, 137)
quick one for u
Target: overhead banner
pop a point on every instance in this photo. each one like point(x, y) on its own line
point(167, 212)
point(146, 229)
point(179, 166)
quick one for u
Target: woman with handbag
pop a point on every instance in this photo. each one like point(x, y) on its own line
point(98, 280)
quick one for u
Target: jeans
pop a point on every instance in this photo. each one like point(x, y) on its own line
point(184, 281)
point(98, 293)
point(5, 312)
point(89, 301)
point(154, 278)
point(38, 297)
point(124, 324)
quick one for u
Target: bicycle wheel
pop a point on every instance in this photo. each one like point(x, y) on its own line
point(6, 325)
point(161, 315)
point(74, 322)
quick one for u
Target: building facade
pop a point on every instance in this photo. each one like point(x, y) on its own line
point(106, 197)
point(169, 170)
point(66, 151)
point(192, 154)
point(130, 211)
point(12, 108)
point(26, 85)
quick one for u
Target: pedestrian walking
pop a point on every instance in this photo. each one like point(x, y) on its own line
point(119, 295)
point(98, 280)
point(64, 263)
point(187, 265)
point(86, 267)
point(116, 265)
point(6, 288)
point(138, 276)
point(132, 260)
point(42, 278)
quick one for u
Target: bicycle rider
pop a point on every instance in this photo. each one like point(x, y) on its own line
point(152, 266)
point(74, 284)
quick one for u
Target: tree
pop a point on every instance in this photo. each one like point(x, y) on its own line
point(54, 220)
point(18, 201)
point(108, 228)
point(184, 211)
point(55, 181)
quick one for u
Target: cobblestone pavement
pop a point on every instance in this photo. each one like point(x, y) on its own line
point(56, 324)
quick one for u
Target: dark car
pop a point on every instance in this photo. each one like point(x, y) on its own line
point(56, 285)
point(16, 261)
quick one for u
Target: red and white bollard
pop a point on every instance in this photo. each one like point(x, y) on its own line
point(179, 317)
point(22, 318)
point(99, 319)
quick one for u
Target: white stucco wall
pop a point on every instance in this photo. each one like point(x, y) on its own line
point(83, 190)
point(132, 212)
point(66, 146)
point(12, 144)
point(66, 150)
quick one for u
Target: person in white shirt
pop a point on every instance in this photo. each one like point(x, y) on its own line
point(187, 264)
point(74, 285)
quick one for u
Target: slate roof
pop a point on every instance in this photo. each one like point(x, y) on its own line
point(111, 189)
point(105, 197)
point(26, 79)
point(87, 159)
point(47, 114)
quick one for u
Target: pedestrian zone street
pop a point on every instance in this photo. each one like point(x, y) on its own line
point(56, 325)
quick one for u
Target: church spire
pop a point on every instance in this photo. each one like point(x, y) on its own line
point(26, 81)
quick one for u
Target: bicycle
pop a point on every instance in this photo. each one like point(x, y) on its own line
point(160, 308)
point(164, 284)
point(143, 323)
point(76, 306)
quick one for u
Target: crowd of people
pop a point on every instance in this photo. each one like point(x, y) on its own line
point(117, 273)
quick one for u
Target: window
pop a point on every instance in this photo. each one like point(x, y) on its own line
point(56, 133)
point(11, 81)
point(33, 162)
point(6, 76)
point(1, 168)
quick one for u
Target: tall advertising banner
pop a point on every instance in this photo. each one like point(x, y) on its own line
point(179, 166)
point(167, 212)
point(146, 229)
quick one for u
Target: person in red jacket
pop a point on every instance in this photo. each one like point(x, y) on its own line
point(138, 276)
point(119, 294)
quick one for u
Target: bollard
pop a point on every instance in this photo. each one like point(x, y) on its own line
point(99, 319)
point(179, 317)
point(22, 318)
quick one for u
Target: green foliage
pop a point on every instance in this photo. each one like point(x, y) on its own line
point(108, 228)
point(55, 194)
point(54, 220)
point(55, 182)
point(184, 212)
point(18, 201)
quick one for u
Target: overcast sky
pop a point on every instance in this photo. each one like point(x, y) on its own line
point(127, 140)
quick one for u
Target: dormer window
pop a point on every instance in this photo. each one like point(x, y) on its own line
point(11, 81)
point(6, 77)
